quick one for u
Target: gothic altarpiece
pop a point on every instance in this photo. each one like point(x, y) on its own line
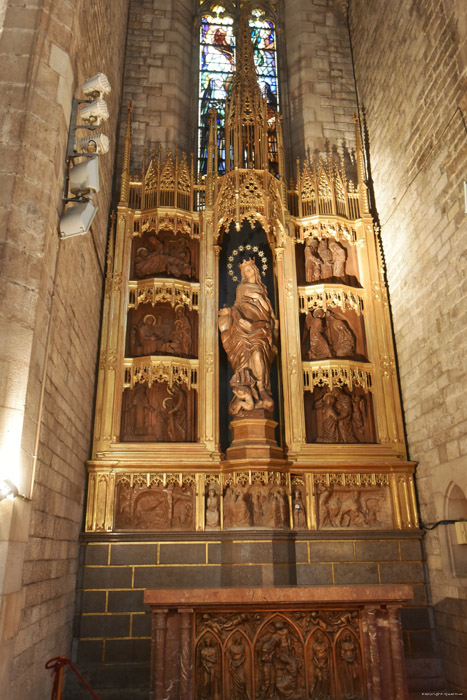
point(247, 377)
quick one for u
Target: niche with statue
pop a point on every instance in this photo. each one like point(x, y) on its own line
point(326, 260)
point(165, 254)
point(162, 329)
point(332, 333)
point(160, 413)
point(339, 416)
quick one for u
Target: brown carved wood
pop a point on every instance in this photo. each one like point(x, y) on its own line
point(160, 413)
point(285, 644)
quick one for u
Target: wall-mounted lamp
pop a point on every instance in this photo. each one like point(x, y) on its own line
point(77, 220)
point(82, 179)
point(7, 489)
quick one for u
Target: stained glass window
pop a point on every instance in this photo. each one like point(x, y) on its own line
point(217, 65)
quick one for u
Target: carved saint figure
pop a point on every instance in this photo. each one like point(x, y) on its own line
point(280, 507)
point(324, 259)
point(181, 333)
point(236, 513)
point(280, 667)
point(179, 259)
point(249, 333)
point(212, 509)
point(338, 258)
point(148, 339)
point(236, 660)
point(299, 512)
point(155, 259)
point(329, 432)
point(152, 261)
point(138, 410)
point(210, 673)
point(344, 409)
point(343, 338)
point(349, 668)
point(312, 260)
point(319, 346)
point(341, 417)
point(175, 406)
point(321, 659)
point(326, 256)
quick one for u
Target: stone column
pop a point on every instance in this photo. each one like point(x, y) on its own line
point(159, 633)
point(397, 652)
point(186, 652)
point(372, 668)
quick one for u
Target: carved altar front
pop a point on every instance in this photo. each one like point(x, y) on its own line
point(317, 643)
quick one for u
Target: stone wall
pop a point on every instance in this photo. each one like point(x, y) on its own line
point(321, 93)
point(411, 67)
point(49, 320)
point(160, 76)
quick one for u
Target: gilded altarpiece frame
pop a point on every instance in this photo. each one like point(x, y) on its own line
point(292, 485)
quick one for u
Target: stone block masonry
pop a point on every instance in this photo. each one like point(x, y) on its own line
point(113, 627)
point(319, 77)
point(160, 75)
point(410, 60)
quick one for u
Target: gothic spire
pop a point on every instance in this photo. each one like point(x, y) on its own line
point(246, 120)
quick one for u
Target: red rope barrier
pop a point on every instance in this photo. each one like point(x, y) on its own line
point(57, 665)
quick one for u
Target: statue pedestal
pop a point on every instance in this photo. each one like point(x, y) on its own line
point(253, 438)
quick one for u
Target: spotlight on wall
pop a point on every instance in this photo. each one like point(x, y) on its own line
point(82, 179)
point(7, 489)
point(99, 144)
point(77, 220)
point(95, 112)
point(97, 86)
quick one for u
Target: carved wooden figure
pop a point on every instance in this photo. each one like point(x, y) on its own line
point(209, 673)
point(324, 259)
point(342, 417)
point(238, 669)
point(354, 508)
point(299, 510)
point(349, 667)
point(163, 331)
point(280, 663)
point(342, 338)
point(321, 667)
point(312, 261)
point(249, 333)
point(162, 413)
point(318, 345)
point(212, 508)
point(164, 256)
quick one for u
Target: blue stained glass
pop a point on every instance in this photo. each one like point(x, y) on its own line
point(217, 65)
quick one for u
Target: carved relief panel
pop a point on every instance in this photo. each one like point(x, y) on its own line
point(359, 507)
point(160, 413)
point(339, 416)
point(162, 330)
point(165, 254)
point(326, 260)
point(301, 655)
point(256, 505)
point(154, 507)
point(332, 333)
